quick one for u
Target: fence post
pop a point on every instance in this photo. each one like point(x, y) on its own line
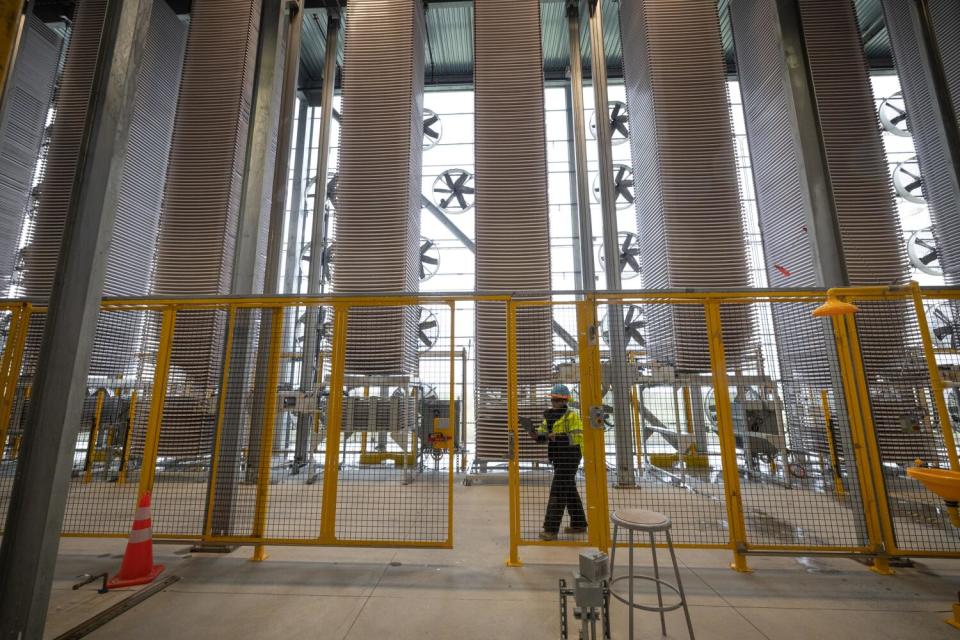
point(594, 446)
point(936, 382)
point(728, 442)
point(867, 456)
point(266, 434)
point(11, 366)
point(513, 422)
point(161, 375)
point(328, 515)
point(452, 420)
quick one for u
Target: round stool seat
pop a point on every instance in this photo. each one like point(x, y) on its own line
point(640, 520)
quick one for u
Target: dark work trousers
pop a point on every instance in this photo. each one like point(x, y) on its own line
point(563, 492)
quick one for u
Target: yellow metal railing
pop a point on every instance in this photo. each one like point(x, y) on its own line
point(233, 488)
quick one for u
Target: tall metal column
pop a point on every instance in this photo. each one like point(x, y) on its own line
point(620, 377)
point(235, 420)
point(292, 262)
point(288, 99)
point(318, 236)
point(578, 143)
point(32, 532)
point(823, 224)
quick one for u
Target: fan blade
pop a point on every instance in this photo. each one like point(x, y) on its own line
point(431, 120)
point(424, 339)
point(933, 256)
point(429, 260)
point(632, 310)
point(632, 261)
point(428, 324)
point(461, 200)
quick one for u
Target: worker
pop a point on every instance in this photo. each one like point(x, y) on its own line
point(563, 431)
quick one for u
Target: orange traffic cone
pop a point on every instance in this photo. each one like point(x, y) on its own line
point(137, 566)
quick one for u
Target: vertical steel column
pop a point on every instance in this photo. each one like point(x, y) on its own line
point(288, 99)
point(823, 225)
point(574, 200)
point(39, 496)
point(291, 265)
point(578, 144)
point(618, 371)
point(318, 235)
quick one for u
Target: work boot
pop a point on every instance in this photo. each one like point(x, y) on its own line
point(546, 536)
point(575, 531)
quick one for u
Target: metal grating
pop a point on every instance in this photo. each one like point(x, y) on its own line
point(690, 222)
point(940, 180)
point(512, 223)
point(381, 131)
point(73, 96)
point(29, 94)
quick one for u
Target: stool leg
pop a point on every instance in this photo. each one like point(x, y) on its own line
point(613, 549)
point(630, 579)
point(656, 575)
point(683, 597)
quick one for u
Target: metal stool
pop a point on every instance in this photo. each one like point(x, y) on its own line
point(648, 522)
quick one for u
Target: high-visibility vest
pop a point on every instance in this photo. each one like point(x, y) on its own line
point(569, 424)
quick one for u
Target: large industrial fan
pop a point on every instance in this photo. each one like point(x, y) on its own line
point(453, 190)
point(907, 181)
point(429, 259)
point(619, 122)
point(943, 327)
point(622, 186)
point(633, 325)
point(629, 256)
point(428, 329)
point(893, 115)
point(922, 249)
point(432, 129)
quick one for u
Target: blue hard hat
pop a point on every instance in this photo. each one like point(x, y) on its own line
point(560, 391)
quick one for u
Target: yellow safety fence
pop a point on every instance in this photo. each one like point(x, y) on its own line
point(754, 425)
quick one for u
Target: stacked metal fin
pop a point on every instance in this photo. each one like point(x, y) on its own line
point(512, 223)
point(29, 93)
point(129, 261)
point(73, 97)
point(691, 230)
point(198, 227)
point(941, 184)
point(783, 208)
point(381, 132)
point(869, 227)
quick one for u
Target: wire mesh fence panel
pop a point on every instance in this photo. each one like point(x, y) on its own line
point(238, 423)
point(193, 349)
point(30, 340)
point(395, 466)
point(905, 417)
point(295, 504)
point(662, 449)
point(795, 451)
point(551, 480)
point(108, 451)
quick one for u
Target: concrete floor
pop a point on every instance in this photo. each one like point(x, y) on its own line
point(468, 593)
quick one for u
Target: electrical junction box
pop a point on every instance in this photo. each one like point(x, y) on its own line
point(594, 565)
